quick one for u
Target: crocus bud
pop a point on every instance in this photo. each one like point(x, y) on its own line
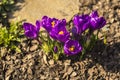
point(55, 49)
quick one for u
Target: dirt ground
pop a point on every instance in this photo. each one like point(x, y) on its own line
point(102, 63)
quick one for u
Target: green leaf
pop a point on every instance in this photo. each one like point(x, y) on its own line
point(90, 42)
point(105, 40)
point(45, 47)
point(55, 56)
point(83, 52)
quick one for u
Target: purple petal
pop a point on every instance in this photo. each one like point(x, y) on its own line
point(63, 22)
point(94, 14)
point(81, 23)
point(97, 23)
point(30, 30)
point(63, 38)
point(60, 26)
point(102, 22)
point(47, 23)
point(85, 26)
point(53, 35)
point(30, 34)
point(55, 49)
point(74, 31)
point(27, 26)
point(44, 17)
point(76, 20)
point(38, 25)
point(77, 47)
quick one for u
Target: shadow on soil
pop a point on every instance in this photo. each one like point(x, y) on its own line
point(108, 56)
point(7, 9)
point(17, 7)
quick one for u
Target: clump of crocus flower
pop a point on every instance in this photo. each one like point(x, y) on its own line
point(30, 30)
point(81, 23)
point(49, 23)
point(59, 41)
point(72, 47)
point(96, 21)
point(60, 32)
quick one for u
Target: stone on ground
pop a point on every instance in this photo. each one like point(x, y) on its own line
point(31, 10)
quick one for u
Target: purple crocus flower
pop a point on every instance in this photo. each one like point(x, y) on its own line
point(60, 32)
point(31, 31)
point(96, 21)
point(81, 23)
point(72, 47)
point(55, 49)
point(49, 23)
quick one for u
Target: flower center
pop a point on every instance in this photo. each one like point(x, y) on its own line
point(61, 33)
point(72, 48)
point(53, 23)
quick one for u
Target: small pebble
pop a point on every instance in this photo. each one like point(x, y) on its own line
point(73, 74)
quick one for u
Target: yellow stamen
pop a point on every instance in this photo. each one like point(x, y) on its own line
point(53, 23)
point(72, 48)
point(61, 33)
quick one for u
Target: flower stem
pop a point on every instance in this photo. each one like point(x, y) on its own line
point(83, 52)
